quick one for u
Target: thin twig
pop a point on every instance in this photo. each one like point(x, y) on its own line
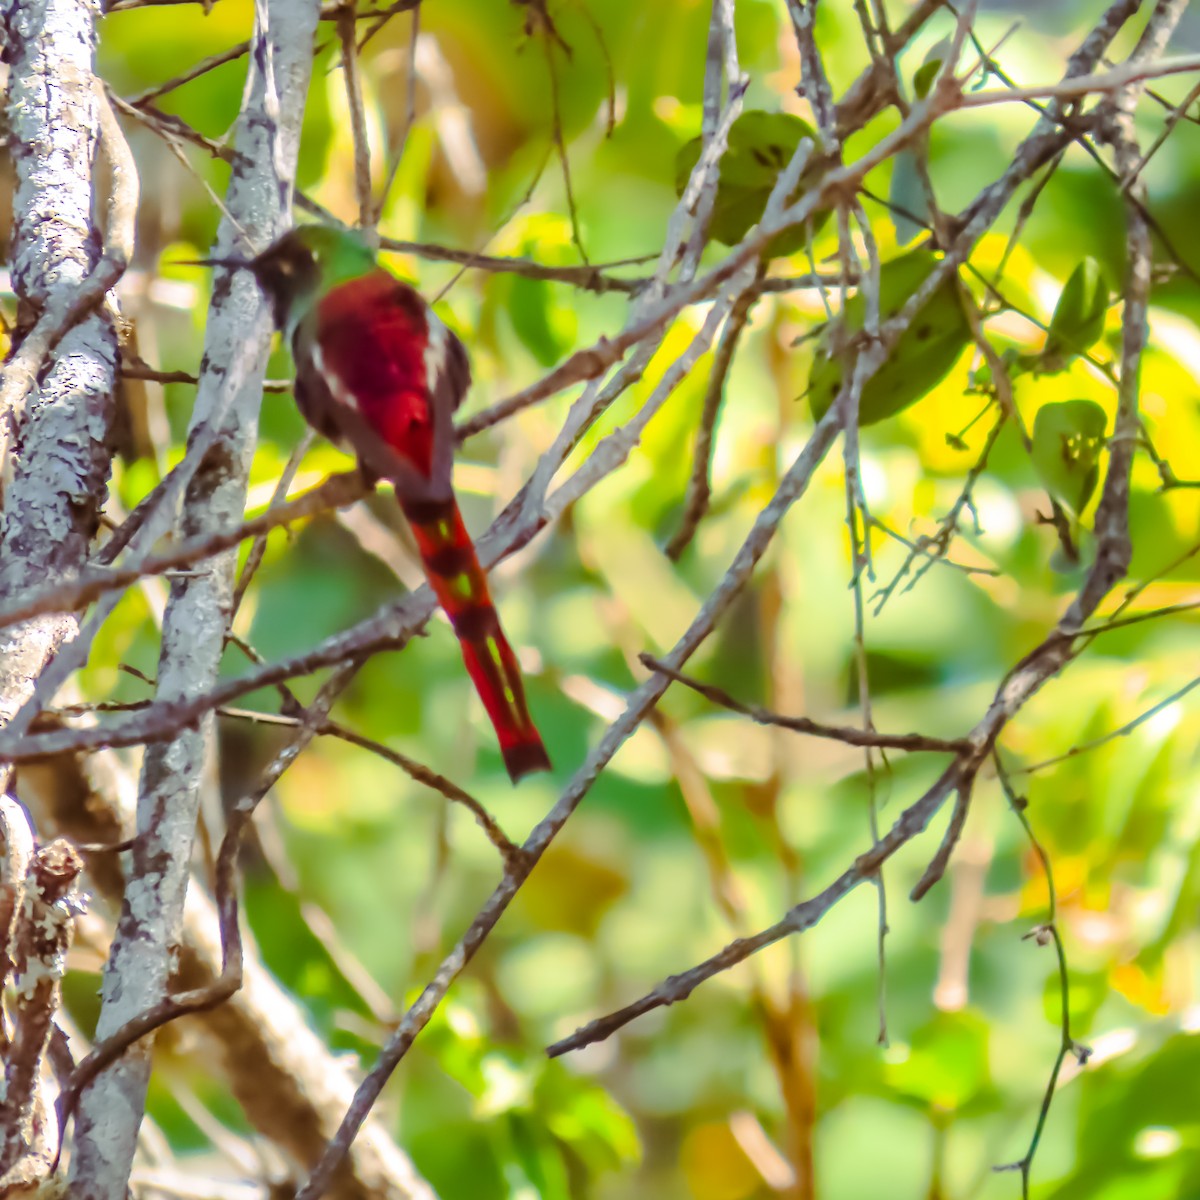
point(347, 34)
point(941, 860)
point(851, 735)
point(139, 370)
point(551, 42)
point(417, 771)
point(259, 547)
point(1045, 934)
point(699, 486)
point(1122, 731)
point(200, 69)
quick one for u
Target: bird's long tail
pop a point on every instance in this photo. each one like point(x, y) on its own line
point(461, 587)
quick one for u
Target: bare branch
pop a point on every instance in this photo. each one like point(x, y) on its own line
point(802, 916)
point(851, 735)
point(201, 68)
point(1096, 83)
point(1027, 676)
point(417, 771)
point(92, 582)
point(941, 860)
point(348, 34)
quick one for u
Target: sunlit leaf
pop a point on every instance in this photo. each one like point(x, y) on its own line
point(946, 1065)
point(1078, 319)
point(921, 358)
point(1068, 438)
point(761, 144)
point(926, 73)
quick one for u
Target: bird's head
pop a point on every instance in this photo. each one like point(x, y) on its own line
point(296, 269)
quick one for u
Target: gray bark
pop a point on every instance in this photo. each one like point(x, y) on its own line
point(56, 424)
point(226, 414)
point(58, 436)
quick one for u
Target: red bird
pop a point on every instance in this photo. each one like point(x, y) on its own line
point(377, 370)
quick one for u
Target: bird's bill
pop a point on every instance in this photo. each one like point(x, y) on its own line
point(234, 264)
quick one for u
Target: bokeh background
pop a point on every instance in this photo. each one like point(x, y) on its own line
point(705, 825)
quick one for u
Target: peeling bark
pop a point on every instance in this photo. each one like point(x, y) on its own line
point(56, 417)
point(226, 414)
point(59, 456)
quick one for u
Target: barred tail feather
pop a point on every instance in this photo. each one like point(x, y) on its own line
point(493, 667)
point(461, 588)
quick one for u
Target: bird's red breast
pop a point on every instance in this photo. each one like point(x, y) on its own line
point(372, 347)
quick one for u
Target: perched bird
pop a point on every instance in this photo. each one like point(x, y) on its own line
point(379, 373)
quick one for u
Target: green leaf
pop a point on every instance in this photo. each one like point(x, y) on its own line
point(537, 1166)
point(1078, 319)
point(1067, 440)
point(459, 1048)
point(931, 64)
point(760, 145)
point(588, 1120)
point(909, 202)
point(947, 1062)
point(544, 330)
point(507, 1085)
point(920, 359)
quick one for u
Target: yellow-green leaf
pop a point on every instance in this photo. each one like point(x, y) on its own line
point(760, 145)
point(1078, 319)
point(920, 359)
point(1067, 440)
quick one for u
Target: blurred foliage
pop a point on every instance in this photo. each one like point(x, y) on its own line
point(924, 354)
point(760, 146)
point(708, 1099)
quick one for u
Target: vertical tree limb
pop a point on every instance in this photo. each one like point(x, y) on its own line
point(56, 392)
point(195, 625)
point(56, 409)
point(16, 851)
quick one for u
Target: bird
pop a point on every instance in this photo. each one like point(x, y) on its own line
point(380, 374)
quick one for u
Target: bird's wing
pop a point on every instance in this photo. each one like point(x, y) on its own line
point(391, 375)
